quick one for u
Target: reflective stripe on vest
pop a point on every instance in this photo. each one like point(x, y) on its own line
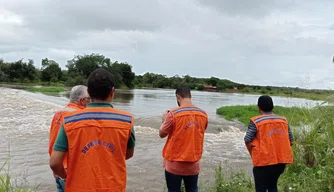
point(185, 142)
point(271, 144)
point(97, 145)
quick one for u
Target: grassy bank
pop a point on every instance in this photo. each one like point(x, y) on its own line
point(7, 185)
point(46, 89)
point(243, 113)
point(37, 83)
point(311, 95)
point(285, 92)
point(313, 167)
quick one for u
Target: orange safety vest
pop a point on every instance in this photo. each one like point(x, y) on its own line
point(56, 124)
point(271, 144)
point(97, 146)
point(185, 142)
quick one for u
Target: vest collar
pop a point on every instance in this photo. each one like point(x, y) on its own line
point(99, 104)
point(73, 105)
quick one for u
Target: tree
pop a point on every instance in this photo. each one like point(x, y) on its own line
point(123, 74)
point(213, 81)
point(84, 65)
point(50, 71)
point(30, 70)
point(3, 71)
point(21, 71)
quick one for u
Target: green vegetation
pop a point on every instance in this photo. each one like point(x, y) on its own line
point(79, 68)
point(296, 116)
point(6, 184)
point(234, 182)
point(46, 89)
point(313, 167)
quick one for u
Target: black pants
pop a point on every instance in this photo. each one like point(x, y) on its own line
point(174, 182)
point(266, 177)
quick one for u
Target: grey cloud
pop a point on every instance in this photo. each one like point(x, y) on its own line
point(331, 27)
point(255, 8)
point(67, 17)
point(257, 42)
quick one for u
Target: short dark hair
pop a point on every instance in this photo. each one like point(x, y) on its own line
point(100, 84)
point(183, 91)
point(265, 103)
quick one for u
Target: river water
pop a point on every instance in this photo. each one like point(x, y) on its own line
point(25, 119)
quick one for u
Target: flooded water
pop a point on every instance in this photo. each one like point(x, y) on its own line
point(25, 119)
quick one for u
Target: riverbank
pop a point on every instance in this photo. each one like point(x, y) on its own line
point(242, 113)
point(311, 95)
point(58, 87)
point(313, 131)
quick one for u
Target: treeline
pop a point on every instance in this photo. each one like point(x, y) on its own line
point(77, 72)
point(79, 68)
point(215, 84)
point(162, 81)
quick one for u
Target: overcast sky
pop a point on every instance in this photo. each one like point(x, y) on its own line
point(266, 42)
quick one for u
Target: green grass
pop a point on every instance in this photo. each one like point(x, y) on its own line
point(317, 96)
point(313, 167)
point(46, 89)
point(7, 185)
point(296, 116)
point(52, 84)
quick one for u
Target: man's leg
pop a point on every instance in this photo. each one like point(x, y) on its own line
point(260, 179)
point(190, 182)
point(60, 184)
point(275, 173)
point(173, 182)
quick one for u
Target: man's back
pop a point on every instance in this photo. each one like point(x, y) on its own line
point(97, 145)
point(185, 142)
point(268, 140)
point(272, 142)
point(185, 127)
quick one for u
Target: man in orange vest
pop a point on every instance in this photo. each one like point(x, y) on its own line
point(268, 140)
point(98, 139)
point(79, 98)
point(185, 127)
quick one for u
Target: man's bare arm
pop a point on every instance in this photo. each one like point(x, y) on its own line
point(129, 153)
point(167, 124)
point(162, 134)
point(56, 163)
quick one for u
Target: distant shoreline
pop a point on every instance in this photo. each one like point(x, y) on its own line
point(45, 87)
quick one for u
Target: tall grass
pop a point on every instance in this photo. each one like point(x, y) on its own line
point(7, 184)
point(313, 167)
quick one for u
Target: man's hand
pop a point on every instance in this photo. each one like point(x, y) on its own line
point(249, 147)
point(163, 117)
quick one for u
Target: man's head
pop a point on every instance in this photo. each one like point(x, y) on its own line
point(265, 103)
point(182, 93)
point(101, 85)
point(79, 95)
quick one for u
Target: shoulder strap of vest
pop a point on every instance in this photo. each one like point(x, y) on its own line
point(185, 108)
point(259, 118)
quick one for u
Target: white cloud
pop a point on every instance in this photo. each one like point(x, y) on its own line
point(273, 42)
